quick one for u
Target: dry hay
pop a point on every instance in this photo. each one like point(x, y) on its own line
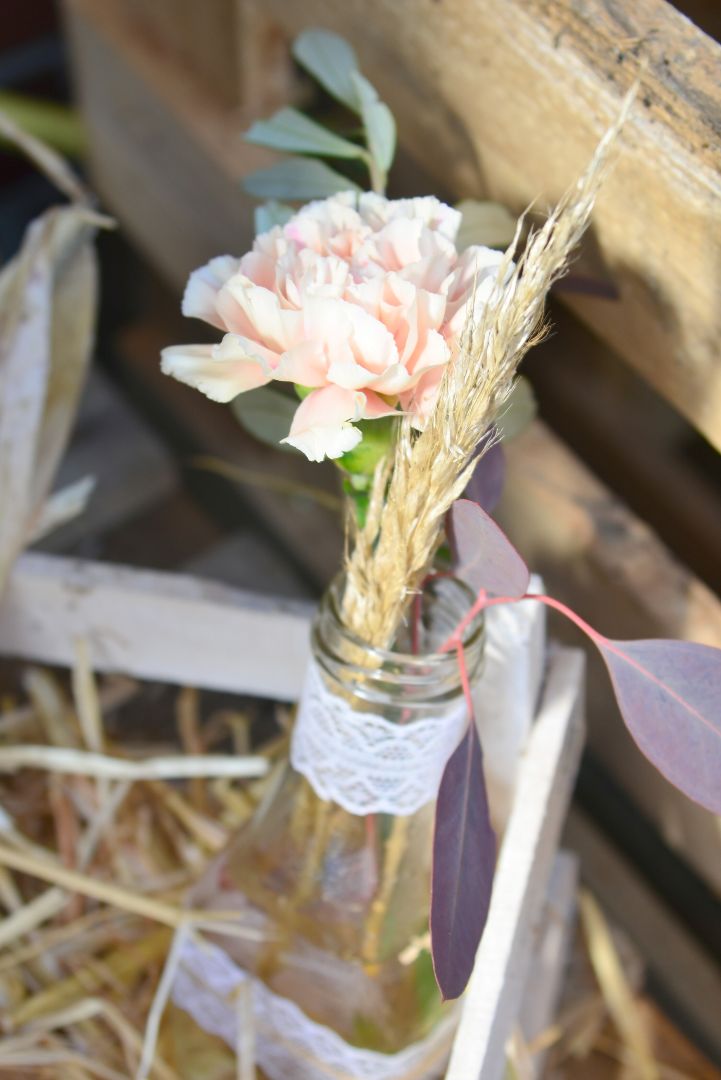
point(94, 866)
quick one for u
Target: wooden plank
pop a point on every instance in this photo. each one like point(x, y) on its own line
point(169, 627)
point(637, 443)
point(688, 978)
point(548, 967)
point(508, 98)
point(493, 999)
point(203, 38)
point(163, 156)
point(598, 557)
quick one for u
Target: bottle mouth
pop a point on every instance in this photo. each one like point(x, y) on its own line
point(415, 661)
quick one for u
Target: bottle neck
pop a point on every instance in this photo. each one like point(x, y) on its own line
point(375, 728)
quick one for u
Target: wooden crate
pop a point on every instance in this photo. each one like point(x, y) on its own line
point(158, 626)
point(503, 98)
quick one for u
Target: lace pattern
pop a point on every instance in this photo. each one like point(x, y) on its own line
point(287, 1043)
point(365, 763)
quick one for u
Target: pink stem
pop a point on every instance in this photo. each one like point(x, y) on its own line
point(483, 601)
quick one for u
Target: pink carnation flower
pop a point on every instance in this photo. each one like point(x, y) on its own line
point(360, 298)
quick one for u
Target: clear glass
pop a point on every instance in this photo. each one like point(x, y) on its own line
point(340, 902)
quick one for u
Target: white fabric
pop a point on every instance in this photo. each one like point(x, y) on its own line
point(365, 763)
point(288, 1045)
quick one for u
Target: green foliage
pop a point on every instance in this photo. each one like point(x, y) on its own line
point(376, 442)
point(271, 213)
point(290, 130)
point(331, 60)
point(266, 414)
point(299, 179)
point(333, 63)
point(379, 125)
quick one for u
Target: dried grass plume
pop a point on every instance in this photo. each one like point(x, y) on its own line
point(393, 551)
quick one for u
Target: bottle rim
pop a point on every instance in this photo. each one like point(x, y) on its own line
point(390, 666)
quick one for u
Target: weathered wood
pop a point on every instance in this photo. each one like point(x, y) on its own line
point(508, 97)
point(203, 38)
point(162, 153)
point(637, 443)
point(689, 979)
point(599, 558)
point(169, 627)
point(493, 999)
point(548, 966)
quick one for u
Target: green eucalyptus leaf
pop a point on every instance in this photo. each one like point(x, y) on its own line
point(266, 414)
point(520, 410)
point(299, 179)
point(331, 60)
point(295, 133)
point(270, 214)
point(380, 127)
point(486, 223)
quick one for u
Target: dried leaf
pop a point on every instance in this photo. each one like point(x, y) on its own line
point(62, 506)
point(486, 559)
point(47, 316)
point(42, 156)
point(464, 857)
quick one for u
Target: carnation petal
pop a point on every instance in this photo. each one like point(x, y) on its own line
point(219, 378)
point(255, 312)
point(322, 423)
point(201, 293)
point(306, 364)
point(376, 408)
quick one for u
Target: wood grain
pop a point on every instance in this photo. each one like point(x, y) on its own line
point(494, 995)
point(508, 98)
point(168, 627)
point(163, 153)
point(595, 555)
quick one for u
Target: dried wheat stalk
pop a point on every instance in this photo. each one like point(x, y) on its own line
point(392, 553)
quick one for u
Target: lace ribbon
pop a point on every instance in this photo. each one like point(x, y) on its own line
point(365, 763)
point(287, 1043)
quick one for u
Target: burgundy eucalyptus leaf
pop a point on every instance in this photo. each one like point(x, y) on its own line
point(486, 483)
point(486, 559)
point(464, 859)
point(669, 693)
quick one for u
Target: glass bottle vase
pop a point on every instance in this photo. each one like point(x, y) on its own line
point(331, 876)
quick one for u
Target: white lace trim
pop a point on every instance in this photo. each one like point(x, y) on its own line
point(365, 763)
point(287, 1043)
